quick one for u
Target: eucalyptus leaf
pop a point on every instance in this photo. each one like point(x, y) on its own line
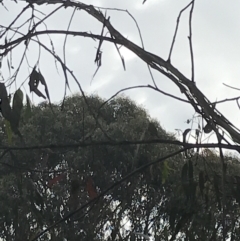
point(17, 107)
point(33, 83)
point(28, 112)
point(5, 105)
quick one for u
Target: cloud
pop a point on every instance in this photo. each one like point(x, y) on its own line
point(215, 43)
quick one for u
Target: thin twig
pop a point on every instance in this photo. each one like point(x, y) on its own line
point(223, 190)
point(225, 100)
point(139, 32)
point(138, 87)
point(231, 87)
point(190, 39)
point(16, 42)
point(64, 58)
point(83, 144)
point(176, 29)
point(18, 16)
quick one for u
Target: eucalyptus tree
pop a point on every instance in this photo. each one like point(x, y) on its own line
point(113, 143)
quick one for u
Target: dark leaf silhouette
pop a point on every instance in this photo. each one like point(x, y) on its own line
point(43, 82)
point(28, 108)
point(74, 199)
point(34, 79)
point(6, 110)
point(185, 134)
point(17, 107)
point(5, 105)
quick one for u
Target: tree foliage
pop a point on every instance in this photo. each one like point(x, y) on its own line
point(41, 186)
point(92, 169)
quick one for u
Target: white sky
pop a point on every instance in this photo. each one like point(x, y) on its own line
point(216, 38)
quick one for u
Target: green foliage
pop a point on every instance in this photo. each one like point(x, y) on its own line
point(43, 185)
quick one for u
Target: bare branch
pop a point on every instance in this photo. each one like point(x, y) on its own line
point(231, 87)
point(190, 39)
point(83, 144)
point(176, 29)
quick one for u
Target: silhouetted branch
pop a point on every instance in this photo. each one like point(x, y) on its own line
point(190, 39)
point(82, 144)
point(176, 29)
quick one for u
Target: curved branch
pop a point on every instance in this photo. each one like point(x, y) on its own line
point(82, 144)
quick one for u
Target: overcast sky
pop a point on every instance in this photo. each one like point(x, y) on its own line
point(216, 40)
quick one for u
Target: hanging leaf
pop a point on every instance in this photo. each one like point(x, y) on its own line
point(8, 131)
point(73, 201)
point(185, 173)
point(28, 112)
point(43, 82)
point(5, 105)
point(34, 82)
point(17, 107)
point(185, 134)
point(18, 99)
point(192, 192)
point(92, 192)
